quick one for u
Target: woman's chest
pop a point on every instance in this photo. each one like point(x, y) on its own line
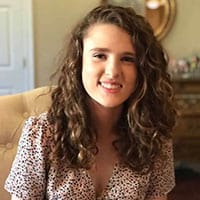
point(78, 184)
point(102, 170)
point(101, 174)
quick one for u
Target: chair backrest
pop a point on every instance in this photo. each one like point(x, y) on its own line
point(14, 110)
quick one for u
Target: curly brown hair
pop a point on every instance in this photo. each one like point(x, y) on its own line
point(148, 116)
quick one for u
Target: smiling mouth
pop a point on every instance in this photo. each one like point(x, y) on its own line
point(110, 86)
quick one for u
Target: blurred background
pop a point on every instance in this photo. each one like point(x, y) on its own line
point(44, 25)
point(33, 31)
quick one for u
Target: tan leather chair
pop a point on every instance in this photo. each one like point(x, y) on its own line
point(14, 110)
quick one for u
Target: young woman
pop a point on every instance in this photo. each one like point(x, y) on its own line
point(107, 134)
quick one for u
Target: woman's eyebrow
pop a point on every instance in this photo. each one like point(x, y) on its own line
point(100, 49)
point(128, 53)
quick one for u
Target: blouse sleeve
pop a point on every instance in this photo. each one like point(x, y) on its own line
point(162, 179)
point(27, 178)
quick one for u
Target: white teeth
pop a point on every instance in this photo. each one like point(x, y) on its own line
point(110, 86)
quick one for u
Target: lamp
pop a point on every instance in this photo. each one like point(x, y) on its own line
point(154, 4)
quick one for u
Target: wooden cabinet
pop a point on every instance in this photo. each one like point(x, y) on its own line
point(187, 130)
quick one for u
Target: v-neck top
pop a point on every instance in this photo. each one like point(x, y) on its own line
point(33, 177)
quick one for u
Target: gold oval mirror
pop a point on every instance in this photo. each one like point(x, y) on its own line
point(159, 13)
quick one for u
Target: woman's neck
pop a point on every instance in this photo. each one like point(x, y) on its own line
point(104, 119)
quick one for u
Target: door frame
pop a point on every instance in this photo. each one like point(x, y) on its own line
point(28, 54)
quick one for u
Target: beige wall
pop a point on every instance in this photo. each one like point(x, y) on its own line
point(53, 19)
point(184, 38)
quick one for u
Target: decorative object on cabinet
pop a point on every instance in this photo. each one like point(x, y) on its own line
point(159, 13)
point(185, 68)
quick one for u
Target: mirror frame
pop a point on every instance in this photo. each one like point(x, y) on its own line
point(167, 22)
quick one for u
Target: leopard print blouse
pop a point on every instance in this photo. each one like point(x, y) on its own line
point(31, 179)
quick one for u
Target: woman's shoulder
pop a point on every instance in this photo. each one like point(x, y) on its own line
point(39, 121)
point(41, 118)
point(38, 128)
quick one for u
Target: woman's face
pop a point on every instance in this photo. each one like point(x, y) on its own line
point(109, 72)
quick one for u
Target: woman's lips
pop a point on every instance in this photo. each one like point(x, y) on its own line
point(111, 87)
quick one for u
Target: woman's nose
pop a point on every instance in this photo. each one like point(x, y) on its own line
point(113, 68)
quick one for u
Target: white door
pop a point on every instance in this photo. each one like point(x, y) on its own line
point(16, 46)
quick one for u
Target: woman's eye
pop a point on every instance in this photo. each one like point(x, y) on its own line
point(128, 59)
point(99, 56)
